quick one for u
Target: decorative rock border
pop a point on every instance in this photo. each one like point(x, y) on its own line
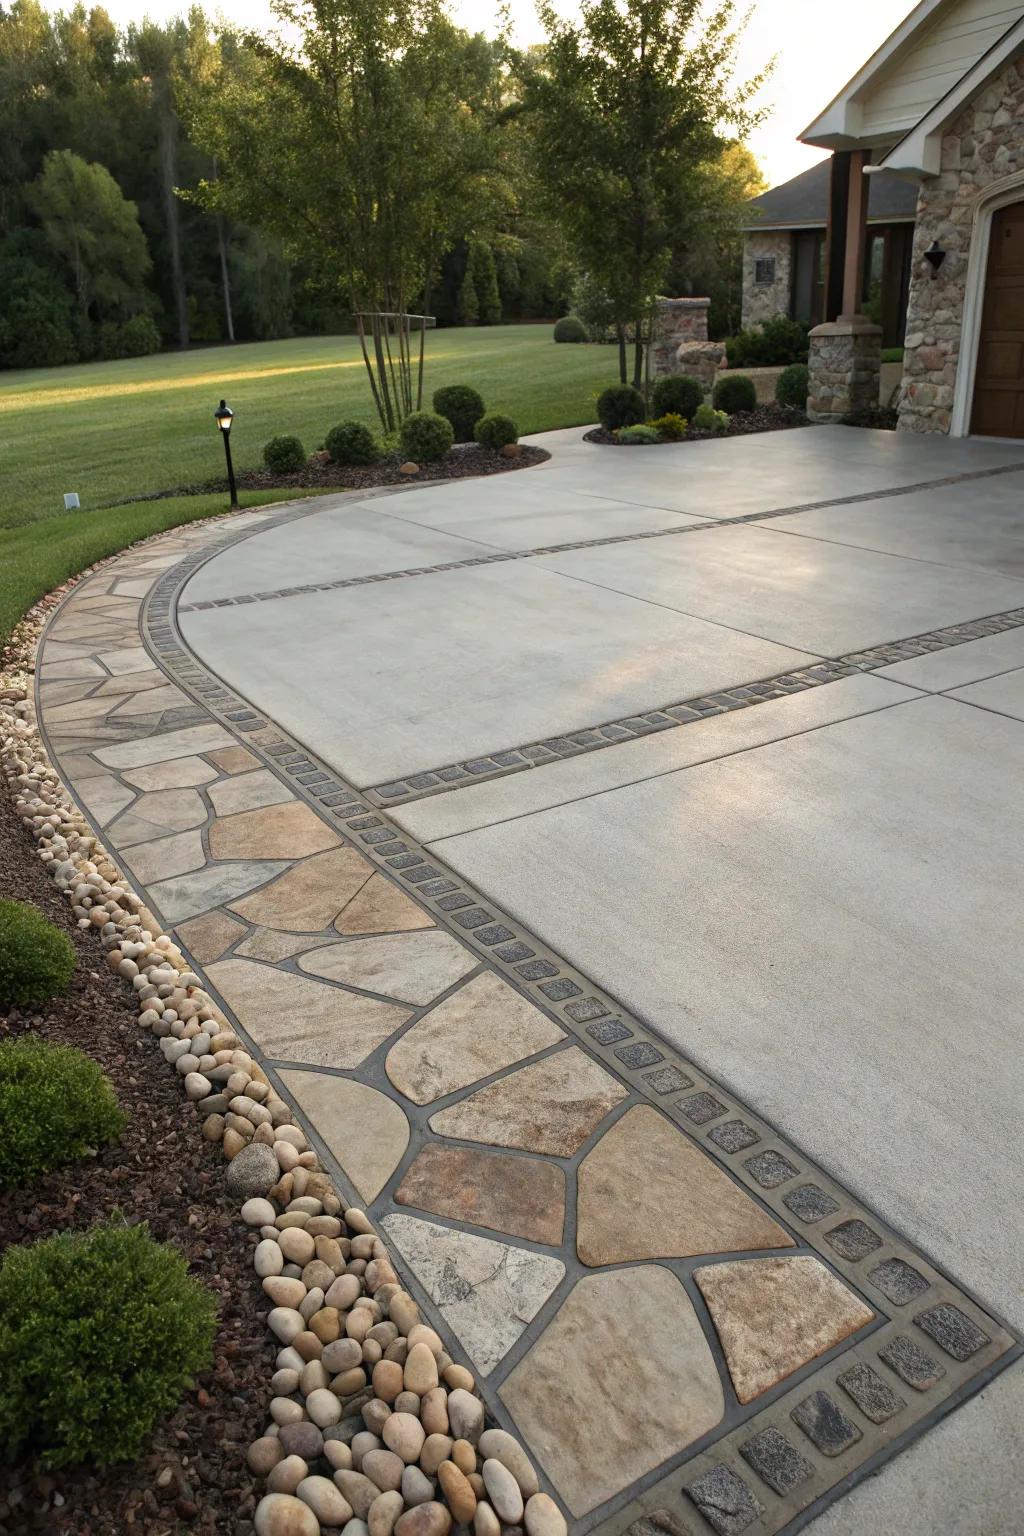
point(373, 1427)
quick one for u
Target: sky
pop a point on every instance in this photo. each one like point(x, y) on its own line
point(799, 33)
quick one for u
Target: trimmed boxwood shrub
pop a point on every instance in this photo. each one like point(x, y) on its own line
point(620, 406)
point(284, 455)
point(671, 428)
point(55, 1106)
point(791, 387)
point(36, 959)
point(352, 442)
point(776, 341)
point(677, 394)
point(641, 433)
point(496, 431)
point(425, 436)
point(462, 406)
point(100, 1334)
point(734, 392)
point(570, 328)
point(710, 420)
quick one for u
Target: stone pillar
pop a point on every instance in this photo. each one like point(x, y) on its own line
point(845, 367)
point(679, 340)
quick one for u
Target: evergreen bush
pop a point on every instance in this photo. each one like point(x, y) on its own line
point(678, 394)
point(426, 437)
point(734, 392)
point(620, 406)
point(462, 406)
point(792, 385)
point(36, 958)
point(352, 442)
point(496, 431)
point(284, 455)
point(55, 1107)
point(570, 328)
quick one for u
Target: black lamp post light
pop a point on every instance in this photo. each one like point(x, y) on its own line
point(224, 416)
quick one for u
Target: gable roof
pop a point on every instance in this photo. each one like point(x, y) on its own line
point(802, 203)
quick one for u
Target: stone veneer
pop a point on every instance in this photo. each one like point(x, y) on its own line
point(984, 145)
point(763, 300)
point(680, 344)
point(845, 364)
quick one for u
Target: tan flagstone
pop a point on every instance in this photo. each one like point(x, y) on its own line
point(523, 1196)
point(483, 1027)
point(103, 795)
point(306, 899)
point(412, 967)
point(550, 1106)
point(276, 832)
point(206, 938)
point(164, 857)
point(486, 1291)
point(249, 792)
point(60, 650)
point(366, 1131)
point(127, 658)
point(79, 709)
point(646, 1192)
point(187, 895)
point(52, 692)
point(380, 907)
point(271, 944)
point(132, 682)
point(233, 759)
point(154, 815)
point(136, 587)
point(774, 1315)
point(620, 1380)
point(298, 1019)
point(149, 701)
point(164, 747)
point(69, 669)
point(181, 773)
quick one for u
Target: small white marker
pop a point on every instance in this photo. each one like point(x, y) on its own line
point(71, 501)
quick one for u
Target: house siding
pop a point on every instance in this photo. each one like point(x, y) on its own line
point(763, 300)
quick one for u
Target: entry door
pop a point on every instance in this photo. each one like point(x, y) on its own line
point(999, 380)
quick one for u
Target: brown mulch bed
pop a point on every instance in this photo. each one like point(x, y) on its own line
point(464, 460)
point(767, 418)
point(193, 1478)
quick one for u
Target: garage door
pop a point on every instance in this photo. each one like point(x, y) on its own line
point(999, 381)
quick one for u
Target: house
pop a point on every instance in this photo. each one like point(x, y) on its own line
point(940, 106)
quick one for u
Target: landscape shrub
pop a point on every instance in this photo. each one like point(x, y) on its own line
point(284, 455)
point(36, 959)
point(426, 436)
point(792, 384)
point(671, 427)
point(100, 1334)
point(620, 406)
point(678, 394)
point(462, 406)
point(641, 433)
point(707, 419)
point(496, 431)
point(734, 392)
point(570, 328)
point(55, 1107)
point(139, 336)
point(771, 344)
point(351, 442)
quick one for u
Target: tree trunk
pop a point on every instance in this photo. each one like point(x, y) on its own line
point(168, 177)
point(620, 331)
point(225, 279)
point(638, 354)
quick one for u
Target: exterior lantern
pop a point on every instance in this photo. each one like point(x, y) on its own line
point(224, 416)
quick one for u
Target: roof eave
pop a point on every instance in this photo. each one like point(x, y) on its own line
point(841, 119)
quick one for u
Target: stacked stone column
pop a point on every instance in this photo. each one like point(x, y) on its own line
point(845, 365)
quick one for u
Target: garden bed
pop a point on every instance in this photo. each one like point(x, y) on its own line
point(767, 418)
point(193, 1477)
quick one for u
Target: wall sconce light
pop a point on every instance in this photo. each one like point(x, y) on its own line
point(935, 256)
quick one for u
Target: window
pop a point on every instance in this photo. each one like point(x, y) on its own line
point(764, 271)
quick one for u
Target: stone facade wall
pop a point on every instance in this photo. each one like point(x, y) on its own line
point(763, 300)
point(984, 145)
point(844, 363)
point(677, 322)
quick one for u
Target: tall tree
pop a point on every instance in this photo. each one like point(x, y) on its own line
point(627, 106)
point(95, 229)
point(155, 50)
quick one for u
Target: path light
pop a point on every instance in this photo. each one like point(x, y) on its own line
point(224, 416)
point(935, 256)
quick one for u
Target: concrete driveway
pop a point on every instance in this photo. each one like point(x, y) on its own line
point(738, 729)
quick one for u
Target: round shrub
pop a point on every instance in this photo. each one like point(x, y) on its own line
point(671, 428)
point(140, 336)
point(426, 436)
point(55, 1107)
point(677, 394)
point(284, 455)
point(496, 431)
point(620, 406)
point(734, 392)
point(351, 442)
point(641, 433)
point(100, 1334)
point(710, 420)
point(36, 959)
point(570, 328)
point(791, 388)
point(462, 406)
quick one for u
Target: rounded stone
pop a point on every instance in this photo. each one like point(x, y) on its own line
point(503, 1447)
point(456, 1489)
point(383, 1468)
point(268, 1259)
point(407, 1402)
point(358, 1490)
point(253, 1172)
point(285, 1323)
point(434, 1411)
point(303, 1440)
point(430, 1519)
point(264, 1454)
point(313, 1377)
point(284, 1381)
point(325, 1322)
point(388, 1380)
point(466, 1415)
point(325, 1500)
point(323, 1408)
point(344, 1292)
point(284, 1410)
point(456, 1376)
point(485, 1521)
point(503, 1491)
point(362, 1443)
point(383, 1514)
point(464, 1456)
point(342, 1355)
point(421, 1334)
point(338, 1455)
point(375, 1414)
point(416, 1487)
point(281, 1515)
point(403, 1311)
point(543, 1517)
point(420, 1374)
point(404, 1434)
point(296, 1244)
point(286, 1476)
point(284, 1292)
point(348, 1383)
point(436, 1448)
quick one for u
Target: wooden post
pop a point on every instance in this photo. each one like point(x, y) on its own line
point(835, 232)
point(856, 234)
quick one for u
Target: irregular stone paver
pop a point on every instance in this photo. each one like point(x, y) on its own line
point(165, 747)
point(646, 1192)
point(234, 759)
point(380, 907)
point(551, 1106)
point(208, 937)
point(522, 1196)
point(248, 792)
point(413, 967)
point(275, 832)
point(773, 1315)
point(149, 702)
point(599, 1411)
point(306, 899)
point(163, 857)
point(188, 895)
point(154, 815)
point(483, 1027)
point(103, 796)
point(298, 1019)
point(270, 944)
point(487, 1291)
point(366, 1131)
point(182, 773)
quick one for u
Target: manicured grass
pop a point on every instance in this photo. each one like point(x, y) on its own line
point(34, 560)
point(110, 430)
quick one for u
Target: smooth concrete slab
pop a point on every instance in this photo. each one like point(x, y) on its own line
point(959, 664)
point(1004, 694)
point(806, 593)
point(630, 762)
point(404, 676)
point(831, 925)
